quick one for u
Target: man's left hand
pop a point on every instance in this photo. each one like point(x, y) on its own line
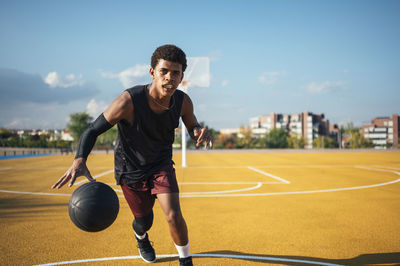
point(202, 135)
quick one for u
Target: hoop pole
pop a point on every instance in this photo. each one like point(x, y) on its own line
point(184, 145)
point(184, 89)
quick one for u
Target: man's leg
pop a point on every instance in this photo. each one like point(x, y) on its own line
point(142, 224)
point(141, 204)
point(167, 191)
point(169, 203)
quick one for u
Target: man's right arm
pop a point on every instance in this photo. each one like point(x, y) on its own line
point(120, 109)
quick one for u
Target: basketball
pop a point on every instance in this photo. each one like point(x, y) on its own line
point(93, 206)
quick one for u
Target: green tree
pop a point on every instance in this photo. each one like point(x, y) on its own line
point(277, 138)
point(246, 141)
point(107, 139)
point(225, 141)
point(78, 123)
point(295, 142)
point(192, 144)
point(323, 142)
point(5, 133)
point(358, 141)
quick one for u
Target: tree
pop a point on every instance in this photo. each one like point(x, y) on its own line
point(358, 141)
point(295, 142)
point(5, 133)
point(277, 138)
point(246, 140)
point(192, 144)
point(107, 139)
point(78, 123)
point(225, 141)
point(323, 142)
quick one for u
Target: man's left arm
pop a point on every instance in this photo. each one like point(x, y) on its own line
point(196, 132)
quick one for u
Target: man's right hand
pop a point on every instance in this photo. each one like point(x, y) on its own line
point(77, 169)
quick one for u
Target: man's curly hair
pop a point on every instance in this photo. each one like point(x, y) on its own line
point(171, 53)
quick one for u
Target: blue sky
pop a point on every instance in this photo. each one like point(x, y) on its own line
point(340, 58)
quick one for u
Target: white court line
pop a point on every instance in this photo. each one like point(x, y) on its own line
point(376, 169)
point(311, 191)
point(257, 194)
point(96, 176)
point(272, 166)
point(47, 168)
point(267, 174)
point(217, 183)
point(202, 255)
point(259, 184)
point(227, 183)
point(295, 192)
point(387, 167)
point(34, 193)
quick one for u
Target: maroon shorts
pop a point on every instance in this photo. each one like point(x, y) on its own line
point(141, 195)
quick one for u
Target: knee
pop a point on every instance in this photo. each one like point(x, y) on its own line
point(143, 224)
point(174, 217)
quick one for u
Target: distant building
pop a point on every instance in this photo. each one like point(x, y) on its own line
point(383, 131)
point(66, 135)
point(306, 124)
point(229, 131)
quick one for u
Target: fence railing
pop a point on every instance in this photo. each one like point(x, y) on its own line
point(9, 151)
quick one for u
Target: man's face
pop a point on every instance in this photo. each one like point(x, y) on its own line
point(166, 77)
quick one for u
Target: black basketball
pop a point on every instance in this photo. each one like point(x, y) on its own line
point(93, 206)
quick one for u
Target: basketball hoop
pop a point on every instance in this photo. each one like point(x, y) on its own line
point(197, 75)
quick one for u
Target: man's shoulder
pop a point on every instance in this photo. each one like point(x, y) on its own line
point(179, 93)
point(136, 89)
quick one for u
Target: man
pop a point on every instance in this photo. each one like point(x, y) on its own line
point(147, 117)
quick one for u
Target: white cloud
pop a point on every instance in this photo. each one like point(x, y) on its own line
point(18, 123)
point(130, 76)
point(326, 87)
point(94, 108)
point(270, 78)
point(53, 79)
point(17, 87)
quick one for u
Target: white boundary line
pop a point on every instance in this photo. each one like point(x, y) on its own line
point(387, 167)
point(96, 176)
point(313, 191)
point(47, 168)
point(296, 192)
point(227, 183)
point(376, 169)
point(259, 184)
point(273, 166)
point(267, 174)
point(34, 193)
point(255, 194)
point(202, 255)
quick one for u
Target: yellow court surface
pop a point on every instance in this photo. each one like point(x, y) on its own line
point(242, 208)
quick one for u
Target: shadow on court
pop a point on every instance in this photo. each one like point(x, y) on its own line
point(18, 207)
point(365, 259)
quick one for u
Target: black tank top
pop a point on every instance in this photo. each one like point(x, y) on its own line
point(143, 148)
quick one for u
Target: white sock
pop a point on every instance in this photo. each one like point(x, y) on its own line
point(140, 237)
point(183, 251)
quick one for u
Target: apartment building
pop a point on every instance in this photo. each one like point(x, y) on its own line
point(306, 124)
point(383, 131)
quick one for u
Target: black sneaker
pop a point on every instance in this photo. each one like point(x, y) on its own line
point(185, 261)
point(146, 251)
